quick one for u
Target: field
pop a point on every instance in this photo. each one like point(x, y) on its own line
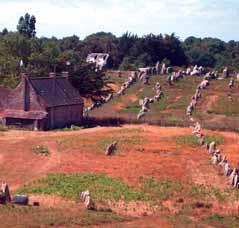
point(217, 110)
point(159, 176)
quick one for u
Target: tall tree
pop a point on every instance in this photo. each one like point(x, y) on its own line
point(27, 25)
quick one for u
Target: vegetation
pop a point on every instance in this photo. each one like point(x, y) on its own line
point(70, 186)
point(128, 52)
point(2, 128)
point(192, 140)
point(41, 150)
point(217, 220)
point(55, 217)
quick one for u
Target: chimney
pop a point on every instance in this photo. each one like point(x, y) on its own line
point(26, 93)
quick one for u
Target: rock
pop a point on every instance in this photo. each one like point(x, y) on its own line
point(88, 202)
point(110, 149)
point(20, 199)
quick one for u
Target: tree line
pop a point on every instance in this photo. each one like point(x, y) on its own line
point(128, 52)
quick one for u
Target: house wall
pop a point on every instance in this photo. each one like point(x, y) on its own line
point(29, 124)
point(62, 116)
point(19, 123)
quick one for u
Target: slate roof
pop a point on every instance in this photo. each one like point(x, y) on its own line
point(56, 91)
point(4, 92)
point(34, 115)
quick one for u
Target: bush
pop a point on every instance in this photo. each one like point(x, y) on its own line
point(41, 150)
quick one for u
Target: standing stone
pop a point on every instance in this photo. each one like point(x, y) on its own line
point(157, 67)
point(163, 69)
point(6, 192)
point(225, 72)
point(231, 177)
point(212, 147)
point(88, 202)
point(110, 149)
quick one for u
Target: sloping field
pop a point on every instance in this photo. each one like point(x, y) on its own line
point(218, 108)
point(158, 177)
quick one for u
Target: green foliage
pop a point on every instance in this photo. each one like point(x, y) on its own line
point(131, 140)
point(56, 217)
point(189, 140)
point(218, 220)
point(70, 186)
point(91, 84)
point(203, 191)
point(127, 64)
point(26, 25)
point(160, 190)
point(192, 140)
point(2, 128)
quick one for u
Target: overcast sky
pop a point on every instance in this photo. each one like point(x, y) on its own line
point(60, 18)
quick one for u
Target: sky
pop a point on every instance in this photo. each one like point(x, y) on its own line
point(61, 18)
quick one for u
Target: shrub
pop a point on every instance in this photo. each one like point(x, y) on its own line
point(41, 150)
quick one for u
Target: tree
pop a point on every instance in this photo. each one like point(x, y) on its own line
point(4, 32)
point(91, 84)
point(26, 25)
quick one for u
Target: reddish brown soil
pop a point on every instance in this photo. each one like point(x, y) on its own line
point(159, 156)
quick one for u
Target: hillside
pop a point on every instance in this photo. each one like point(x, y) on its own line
point(157, 177)
point(216, 109)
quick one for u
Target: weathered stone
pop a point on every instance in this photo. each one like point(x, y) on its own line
point(212, 147)
point(232, 175)
point(110, 149)
point(6, 192)
point(88, 202)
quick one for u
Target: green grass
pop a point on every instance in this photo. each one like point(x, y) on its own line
point(160, 190)
point(101, 186)
point(128, 130)
point(202, 191)
point(181, 221)
point(86, 218)
point(217, 220)
point(2, 128)
point(41, 149)
point(192, 140)
point(122, 141)
point(13, 216)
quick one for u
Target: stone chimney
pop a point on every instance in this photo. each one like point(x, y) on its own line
point(26, 93)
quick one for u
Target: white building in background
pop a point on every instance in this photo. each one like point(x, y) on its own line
point(101, 60)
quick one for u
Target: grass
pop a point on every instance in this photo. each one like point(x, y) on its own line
point(28, 216)
point(98, 144)
point(160, 190)
point(201, 191)
point(122, 141)
point(101, 186)
point(129, 130)
point(217, 220)
point(192, 140)
point(2, 128)
point(86, 218)
point(175, 102)
point(41, 149)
